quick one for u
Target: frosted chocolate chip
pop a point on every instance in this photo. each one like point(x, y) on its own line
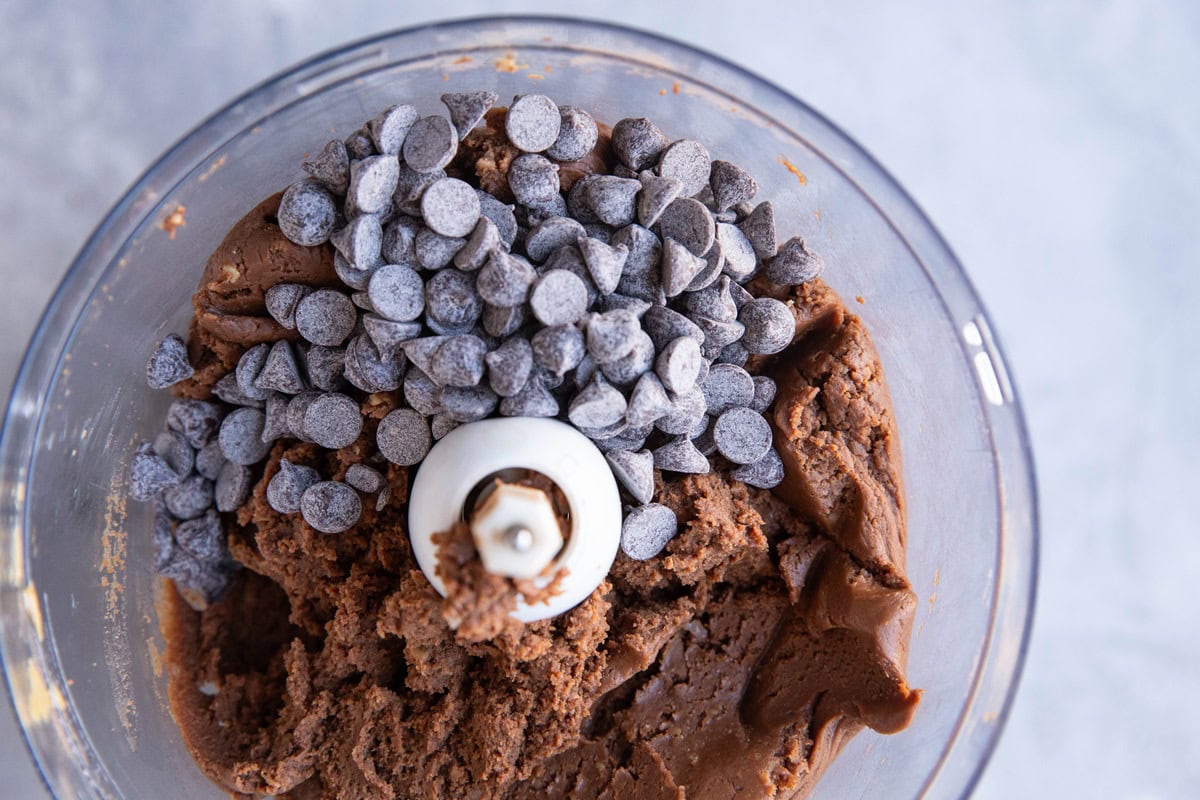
point(275, 426)
point(369, 370)
point(468, 403)
point(451, 299)
point(296, 409)
point(679, 267)
point(397, 293)
point(533, 213)
point(209, 460)
point(648, 401)
point(770, 326)
point(204, 539)
point(604, 262)
point(687, 161)
point(149, 474)
point(195, 419)
point(599, 231)
point(714, 262)
point(410, 186)
point(576, 206)
point(360, 241)
point(794, 264)
point(435, 251)
point(584, 371)
point(306, 213)
point(227, 390)
point(330, 506)
point(387, 335)
point(604, 432)
point(331, 166)
point(622, 171)
point(630, 439)
point(680, 455)
point(742, 435)
point(359, 145)
point(657, 194)
point(733, 353)
point(570, 259)
point(610, 199)
point(637, 142)
point(280, 372)
point(635, 473)
point(551, 234)
point(715, 302)
point(631, 366)
point(501, 214)
point(501, 322)
point(459, 361)
point(372, 182)
point(172, 448)
point(739, 295)
point(479, 246)
point(597, 406)
point(421, 351)
point(404, 437)
point(209, 581)
point(281, 301)
point(422, 393)
point(644, 249)
point(637, 306)
point(764, 393)
point(189, 498)
point(333, 421)
point(678, 364)
point(389, 129)
point(687, 411)
point(704, 440)
point(249, 366)
point(577, 134)
point(442, 424)
point(534, 400)
point(766, 473)
point(612, 335)
point(431, 144)
point(688, 222)
point(717, 334)
point(759, 227)
point(533, 179)
point(232, 487)
point(740, 260)
point(241, 436)
point(505, 280)
point(532, 123)
point(353, 278)
point(325, 317)
point(325, 367)
point(727, 386)
point(168, 364)
point(665, 325)
point(467, 109)
point(288, 485)
point(365, 479)
point(509, 365)
point(398, 245)
point(558, 297)
point(730, 185)
point(558, 348)
point(450, 207)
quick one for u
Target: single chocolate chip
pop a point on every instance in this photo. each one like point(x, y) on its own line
point(330, 506)
point(687, 161)
point(241, 436)
point(794, 264)
point(227, 390)
point(717, 334)
point(390, 128)
point(209, 581)
point(501, 214)
point(687, 411)
point(631, 439)
point(189, 498)
point(149, 474)
point(533, 180)
point(731, 185)
point(288, 485)
point(534, 400)
point(733, 353)
point(333, 421)
point(657, 194)
point(232, 487)
point(715, 302)
point(354, 278)
point(501, 322)
point(388, 335)
point(678, 364)
point(688, 222)
point(451, 299)
point(766, 473)
point(441, 424)
point(764, 393)
point(280, 372)
point(410, 186)
point(422, 393)
point(275, 426)
point(727, 386)
point(325, 317)
point(550, 235)
point(168, 364)
point(249, 365)
point(431, 144)
point(597, 406)
point(467, 108)
point(742, 435)
point(710, 273)
point(360, 241)
point(421, 351)
point(372, 182)
point(577, 134)
point(296, 409)
point(637, 142)
point(680, 455)
point(435, 251)
point(604, 262)
point(468, 403)
point(281, 301)
point(631, 366)
point(532, 123)
point(645, 250)
point(509, 366)
point(325, 367)
point(558, 348)
point(610, 199)
point(359, 145)
point(637, 306)
point(679, 267)
point(331, 167)
point(459, 361)
point(647, 530)
point(369, 370)
point(740, 260)
point(365, 479)
point(479, 246)
point(605, 432)
point(398, 245)
point(635, 472)
point(665, 325)
point(450, 207)
point(195, 419)
point(770, 326)
point(612, 335)
point(505, 280)
point(209, 460)
point(306, 213)
point(173, 448)
point(558, 297)
point(203, 538)
point(404, 437)
point(648, 402)
point(397, 293)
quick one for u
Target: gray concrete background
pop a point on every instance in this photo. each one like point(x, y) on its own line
point(1057, 146)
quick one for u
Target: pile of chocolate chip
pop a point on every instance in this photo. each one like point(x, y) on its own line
point(618, 308)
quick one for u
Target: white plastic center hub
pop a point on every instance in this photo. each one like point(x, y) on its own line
point(516, 521)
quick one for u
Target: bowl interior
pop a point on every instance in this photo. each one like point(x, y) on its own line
point(93, 687)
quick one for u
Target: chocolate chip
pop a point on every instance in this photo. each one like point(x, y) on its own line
point(534, 400)
point(450, 207)
point(388, 335)
point(687, 161)
point(280, 372)
point(325, 367)
point(604, 262)
point(532, 123)
point(632, 438)
point(467, 108)
point(558, 297)
point(550, 235)
point(399, 239)
point(657, 194)
point(411, 185)
point(404, 437)
point(422, 351)
point(431, 144)
point(637, 142)
point(505, 280)
point(360, 242)
point(452, 300)
point(509, 366)
point(325, 317)
point(597, 406)
point(665, 325)
point(577, 134)
point(731, 185)
point(149, 474)
point(687, 411)
point(435, 251)
point(241, 436)
point(479, 246)
point(770, 326)
point(276, 424)
point(710, 273)
point(610, 199)
point(422, 393)
point(164, 539)
point(168, 364)
point(288, 485)
point(359, 145)
point(631, 366)
point(397, 293)
point(501, 322)
point(648, 401)
point(634, 471)
point(232, 487)
point(372, 182)
point(612, 335)
point(468, 403)
point(678, 364)
point(369, 370)
point(558, 348)
point(688, 222)
point(306, 213)
point(764, 393)
point(742, 435)
point(296, 409)
point(333, 421)
point(390, 128)
point(365, 479)
point(347, 274)
point(189, 498)
point(680, 455)
point(331, 166)
point(766, 473)
point(209, 460)
point(459, 361)
point(637, 306)
point(715, 302)
point(727, 386)
point(570, 259)
point(733, 353)
point(249, 366)
point(501, 214)
point(533, 180)
point(281, 301)
point(209, 581)
point(717, 334)
point(679, 267)
point(740, 260)
point(330, 506)
point(174, 449)
point(195, 419)
point(794, 264)
point(647, 530)
point(227, 390)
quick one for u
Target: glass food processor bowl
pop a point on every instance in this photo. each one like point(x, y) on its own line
point(80, 637)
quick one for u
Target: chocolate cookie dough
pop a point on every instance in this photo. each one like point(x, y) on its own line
point(735, 664)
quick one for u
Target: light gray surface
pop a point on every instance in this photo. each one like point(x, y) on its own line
point(1058, 151)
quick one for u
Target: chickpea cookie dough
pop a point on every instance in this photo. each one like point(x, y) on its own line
point(744, 632)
